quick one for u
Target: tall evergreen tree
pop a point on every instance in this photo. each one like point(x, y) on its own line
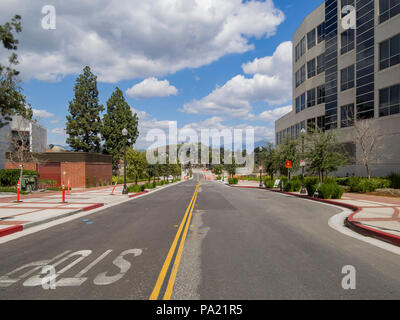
point(12, 101)
point(84, 123)
point(119, 116)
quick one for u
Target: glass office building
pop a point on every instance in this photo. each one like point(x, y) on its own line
point(346, 68)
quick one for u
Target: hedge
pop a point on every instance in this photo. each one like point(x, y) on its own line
point(10, 177)
point(233, 180)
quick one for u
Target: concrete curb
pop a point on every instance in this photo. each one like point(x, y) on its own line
point(350, 221)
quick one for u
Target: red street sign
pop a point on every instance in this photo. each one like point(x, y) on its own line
point(302, 163)
point(288, 164)
point(260, 168)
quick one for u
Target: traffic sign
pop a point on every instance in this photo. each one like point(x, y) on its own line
point(302, 163)
point(260, 168)
point(288, 164)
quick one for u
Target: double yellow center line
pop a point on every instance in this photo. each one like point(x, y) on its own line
point(185, 227)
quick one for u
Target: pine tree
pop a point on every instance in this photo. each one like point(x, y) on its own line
point(12, 101)
point(119, 116)
point(84, 123)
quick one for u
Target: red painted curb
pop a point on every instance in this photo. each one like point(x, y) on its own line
point(94, 206)
point(137, 194)
point(10, 230)
point(350, 222)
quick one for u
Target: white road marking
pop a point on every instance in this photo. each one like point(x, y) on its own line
point(124, 265)
point(6, 281)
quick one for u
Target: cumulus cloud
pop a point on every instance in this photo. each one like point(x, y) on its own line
point(271, 83)
point(124, 39)
point(40, 114)
point(274, 114)
point(152, 87)
point(58, 131)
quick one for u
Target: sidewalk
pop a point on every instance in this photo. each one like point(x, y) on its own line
point(41, 208)
point(375, 216)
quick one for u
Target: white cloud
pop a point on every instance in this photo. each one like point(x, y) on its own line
point(152, 87)
point(58, 131)
point(274, 114)
point(40, 114)
point(271, 83)
point(125, 39)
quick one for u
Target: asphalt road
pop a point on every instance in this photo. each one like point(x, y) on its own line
point(235, 244)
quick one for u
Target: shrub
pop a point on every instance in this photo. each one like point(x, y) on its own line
point(311, 184)
point(268, 183)
point(337, 192)
point(233, 180)
point(218, 178)
point(292, 186)
point(358, 184)
point(10, 177)
point(394, 180)
point(134, 188)
point(142, 187)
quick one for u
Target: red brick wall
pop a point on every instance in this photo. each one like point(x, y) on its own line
point(74, 172)
point(27, 166)
point(102, 172)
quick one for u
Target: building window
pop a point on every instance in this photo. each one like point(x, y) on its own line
point(347, 38)
point(321, 122)
point(389, 52)
point(298, 104)
point(320, 63)
point(311, 98)
point(303, 101)
point(311, 125)
point(311, 39)
point(301, 75)
point(347, 78)
point(346, 3)
point(311, 68)
point(347, 115)
point(321, 94)
point(300, 48)
point(388, 9)
point(321, 32)
point(389, 101)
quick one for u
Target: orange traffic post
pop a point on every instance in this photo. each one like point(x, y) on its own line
point(68, 187)
point(63, 192)
point(115, 185)
point(18, 189)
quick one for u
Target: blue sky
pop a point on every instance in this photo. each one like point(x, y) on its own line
point(212, 81)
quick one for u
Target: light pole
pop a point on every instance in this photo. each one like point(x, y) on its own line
point(303, 189)
point(260, 159)
point(125, 133)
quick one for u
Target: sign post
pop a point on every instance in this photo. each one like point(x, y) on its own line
point(288, 166)
point(261, 168)
point(303, 189)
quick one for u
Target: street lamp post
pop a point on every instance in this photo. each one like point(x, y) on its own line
point(260, 157)
point(125, 133)
point(303, 189)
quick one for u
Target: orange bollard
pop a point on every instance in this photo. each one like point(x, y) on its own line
point(63, 192)
point(68, 187)
point(112, 193)
point(18, 187)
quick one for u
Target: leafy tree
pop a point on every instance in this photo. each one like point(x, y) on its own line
point(288, 151)
point(136, 164)
point(218, 169)
point(119, 116)
point(231, 168)
point(12, 101)
point(324, 153)
point(271, 160)
point(84, 124)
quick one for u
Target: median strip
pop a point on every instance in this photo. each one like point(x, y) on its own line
point(161, 277)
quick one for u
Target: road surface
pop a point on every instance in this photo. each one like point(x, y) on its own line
point(198, 240)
